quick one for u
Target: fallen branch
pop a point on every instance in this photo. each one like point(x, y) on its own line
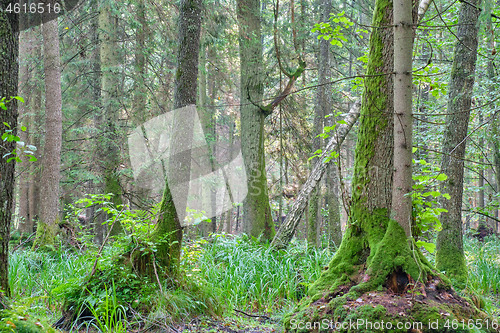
point(287, 229)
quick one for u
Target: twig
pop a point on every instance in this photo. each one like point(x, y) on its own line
point(480, 213)
point(156, 274)
point(253, 316)
point(102, 245)
point(26, 241)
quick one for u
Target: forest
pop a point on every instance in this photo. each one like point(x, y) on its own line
point(249, 166)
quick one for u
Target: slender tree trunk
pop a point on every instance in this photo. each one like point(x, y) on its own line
point(51, 163)
point(169, 224)
point(109, 143)
point(9, 46)
point(495, 124)
point(26, 47)
point(256, 209)
point(450, 253)
point(401, 209)
point(481, 199)
point(35, 140)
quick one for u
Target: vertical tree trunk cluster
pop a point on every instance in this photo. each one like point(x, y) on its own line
point(450, 253)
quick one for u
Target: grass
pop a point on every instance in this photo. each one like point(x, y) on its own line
point(34, 275)
point(483, 262)
point(252, 277)
point(222, 273)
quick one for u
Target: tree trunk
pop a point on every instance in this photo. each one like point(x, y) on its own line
point(109, 143)
point(9, 44)
point(169, 223)
point(450, 253)
point(256, 209)
point(481, 199)
point(495, 124)
point(26, 47)
point(288, 227)
point(401, 208)
point(51, 163)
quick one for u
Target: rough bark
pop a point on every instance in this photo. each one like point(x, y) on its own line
point(450, 253)
point(169, 224)
point(401, 208)
point(257, 216)
point(288, 227)
point(9, 45)
point(51, 163)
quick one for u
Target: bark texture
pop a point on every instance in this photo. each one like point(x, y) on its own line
point(450, 253)
point(51, 163)
point(288, 227)
point(401, 209)
point(257, 216)
point(9, 46)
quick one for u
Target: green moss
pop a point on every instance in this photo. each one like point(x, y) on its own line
point(168, 234)
point(45, 236)
point(451, 260)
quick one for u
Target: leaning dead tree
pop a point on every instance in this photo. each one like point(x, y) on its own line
point(287, 229)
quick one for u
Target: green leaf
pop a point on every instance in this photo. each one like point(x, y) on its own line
point(23, 128)
point(431, 247)
point(19, 98)
point(441, 177)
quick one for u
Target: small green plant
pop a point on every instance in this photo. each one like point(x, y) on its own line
point(426, 208)
point(108, 315)
point(10, 136)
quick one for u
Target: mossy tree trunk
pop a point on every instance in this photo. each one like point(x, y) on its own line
point(169, 229)
point(450, 253)
point(257, 216)
point(374, 248)
point(107, 120)
point(51, 163)
point(9, 46)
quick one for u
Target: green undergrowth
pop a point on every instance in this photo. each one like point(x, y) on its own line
point(483, 263)
point(222, 274)
point(251, 276)
point(218, 275)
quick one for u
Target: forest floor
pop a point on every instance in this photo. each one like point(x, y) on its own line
point(231, 325)
point(254, 286)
